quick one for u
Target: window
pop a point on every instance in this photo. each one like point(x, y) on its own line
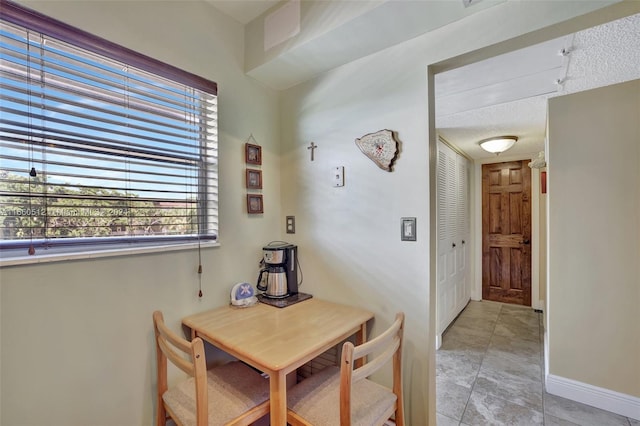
point(101, 147)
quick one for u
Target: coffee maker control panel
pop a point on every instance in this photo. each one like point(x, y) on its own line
point(269, 256)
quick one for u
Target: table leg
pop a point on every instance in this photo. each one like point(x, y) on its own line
point(278, 397)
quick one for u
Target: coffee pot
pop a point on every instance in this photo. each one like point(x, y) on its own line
point(276, 281)
point(278, 277)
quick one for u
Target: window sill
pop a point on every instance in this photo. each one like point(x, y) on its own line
point(61, 257)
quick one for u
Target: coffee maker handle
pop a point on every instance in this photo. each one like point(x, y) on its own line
point(261, 288)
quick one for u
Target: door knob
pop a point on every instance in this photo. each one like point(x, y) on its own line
point(453, 245)
point(525, 241)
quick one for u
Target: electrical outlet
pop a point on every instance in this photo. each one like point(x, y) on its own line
point(291, 224)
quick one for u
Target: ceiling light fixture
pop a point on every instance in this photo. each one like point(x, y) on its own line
point(498, 144)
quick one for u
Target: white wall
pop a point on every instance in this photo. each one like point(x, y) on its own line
point(594, 230)
point(349, 237)
point(77, 339)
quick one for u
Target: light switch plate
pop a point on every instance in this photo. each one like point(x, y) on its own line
point(337, 176)
point(408, 229)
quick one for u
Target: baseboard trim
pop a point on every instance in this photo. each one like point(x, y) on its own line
point(616, 402)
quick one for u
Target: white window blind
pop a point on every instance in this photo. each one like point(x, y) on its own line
point(98, 151)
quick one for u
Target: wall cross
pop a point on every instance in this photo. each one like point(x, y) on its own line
point(312, 147)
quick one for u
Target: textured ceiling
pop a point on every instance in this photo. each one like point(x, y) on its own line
point(599, 56)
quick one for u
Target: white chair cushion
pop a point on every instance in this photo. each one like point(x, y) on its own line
point(317, 400)
point(233, 388)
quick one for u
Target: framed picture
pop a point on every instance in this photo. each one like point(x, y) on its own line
point(408, 229)
point(253, 154)
point(254, 179)
point(254, 204)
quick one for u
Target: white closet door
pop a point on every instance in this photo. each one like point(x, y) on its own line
point(447, 223)
point(463, 233)
point(452, 270)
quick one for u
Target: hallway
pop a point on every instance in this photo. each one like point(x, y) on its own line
point(489, 371)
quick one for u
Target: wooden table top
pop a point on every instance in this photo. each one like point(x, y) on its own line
point(278, 339)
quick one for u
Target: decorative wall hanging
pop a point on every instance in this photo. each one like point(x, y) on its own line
point(254, 204)
point(252, 152)
point(312, 147)
point(253, 179)
point(381, 147)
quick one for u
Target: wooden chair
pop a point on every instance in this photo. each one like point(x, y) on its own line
point(315, 400)
point(231, 394)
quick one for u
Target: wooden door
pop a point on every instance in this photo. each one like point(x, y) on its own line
point(506, 232)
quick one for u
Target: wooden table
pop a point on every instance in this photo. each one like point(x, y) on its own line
point(279, 340)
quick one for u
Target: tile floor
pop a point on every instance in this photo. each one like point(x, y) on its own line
point(489, 371)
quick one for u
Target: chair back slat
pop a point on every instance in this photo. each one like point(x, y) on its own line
point(177, 341)
point(376, 363)
point(174, 357)
point(380, 341)
point(175, 348)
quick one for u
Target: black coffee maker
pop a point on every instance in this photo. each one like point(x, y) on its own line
point(279, 274)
